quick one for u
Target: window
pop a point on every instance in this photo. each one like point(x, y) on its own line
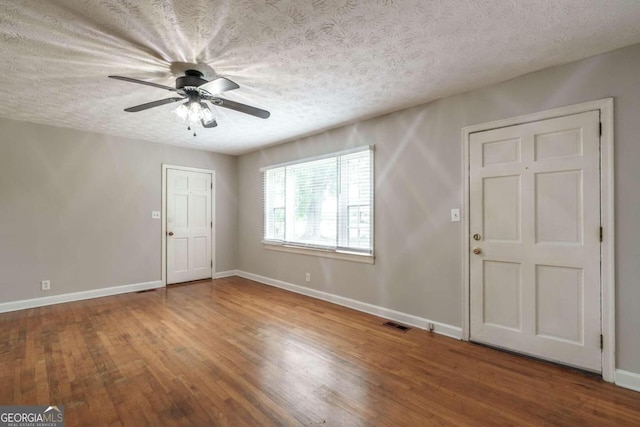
point(323, 203)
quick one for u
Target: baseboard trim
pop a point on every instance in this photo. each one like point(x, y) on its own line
point(408, 319)
point(77, 296)
point(223, 274)
point(627, 379)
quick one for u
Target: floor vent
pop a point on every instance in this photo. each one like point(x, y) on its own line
point(397, 326)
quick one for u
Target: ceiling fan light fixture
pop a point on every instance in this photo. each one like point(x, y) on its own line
point(182, 111)
point(207, 114)
point(195, 112)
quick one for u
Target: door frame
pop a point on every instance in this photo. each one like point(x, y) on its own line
point(163, 216)
point(607, 248)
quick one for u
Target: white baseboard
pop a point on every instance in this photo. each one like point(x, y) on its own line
point(77, 296)
point(223, 274)
point(627, 379)
point(407, 319)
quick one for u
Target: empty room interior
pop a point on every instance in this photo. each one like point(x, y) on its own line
point(328, 212)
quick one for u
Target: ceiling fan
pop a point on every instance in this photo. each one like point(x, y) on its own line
point(193, 88)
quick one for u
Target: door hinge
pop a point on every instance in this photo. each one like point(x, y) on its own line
point(600, 134)
point(600, 128)
point(212, 267)
point(601, 234)
point(601, 342)
point(211, 224)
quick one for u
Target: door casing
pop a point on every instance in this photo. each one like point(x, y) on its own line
point(164, 217)
point(607, 255)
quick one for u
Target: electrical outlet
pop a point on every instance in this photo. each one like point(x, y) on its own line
point(155, 214)
point(308, 277)
point(46, 285)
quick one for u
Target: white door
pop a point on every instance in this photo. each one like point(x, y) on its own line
point(189, 226)
point(535, 221)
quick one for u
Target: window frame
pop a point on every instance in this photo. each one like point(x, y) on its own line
point(327, 252)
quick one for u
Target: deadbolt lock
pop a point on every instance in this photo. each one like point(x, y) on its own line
point(476, 236)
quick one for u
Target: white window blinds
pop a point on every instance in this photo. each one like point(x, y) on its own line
point(324, 203)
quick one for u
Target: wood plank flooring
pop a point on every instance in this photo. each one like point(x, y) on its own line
point(234, 352)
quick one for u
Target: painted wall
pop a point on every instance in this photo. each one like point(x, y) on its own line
point(75, 208)
point(419, 179)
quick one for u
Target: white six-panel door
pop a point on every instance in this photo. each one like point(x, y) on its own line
point(535, 227)
point(188, 226)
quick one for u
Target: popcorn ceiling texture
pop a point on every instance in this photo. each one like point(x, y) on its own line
point(313, 64)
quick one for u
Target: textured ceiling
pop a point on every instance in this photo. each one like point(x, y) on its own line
point(314, 64)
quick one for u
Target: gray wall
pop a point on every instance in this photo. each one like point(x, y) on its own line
point(75, 208)
point(418, 180)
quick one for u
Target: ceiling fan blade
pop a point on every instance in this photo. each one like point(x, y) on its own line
point(243, 108)
point(219, 85)
point(142, 82)
point(151, 104)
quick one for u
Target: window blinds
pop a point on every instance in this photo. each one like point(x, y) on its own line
point(324, 203)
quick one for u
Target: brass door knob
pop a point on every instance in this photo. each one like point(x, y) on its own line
point(477, 251)
point(170, 233)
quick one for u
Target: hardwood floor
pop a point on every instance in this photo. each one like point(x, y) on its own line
point(235, 352)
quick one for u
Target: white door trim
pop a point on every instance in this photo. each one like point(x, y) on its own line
point(164, 216)
point(605, 106)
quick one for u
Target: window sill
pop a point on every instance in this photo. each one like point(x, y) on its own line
point(345, 256)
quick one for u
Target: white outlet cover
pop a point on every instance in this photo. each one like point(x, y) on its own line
point(455, 215)
point(155, 214)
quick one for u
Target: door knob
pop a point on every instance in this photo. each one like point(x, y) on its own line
point(477, 251)
point(170, 233)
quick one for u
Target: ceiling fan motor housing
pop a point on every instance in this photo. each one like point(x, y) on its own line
point(192, 78)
